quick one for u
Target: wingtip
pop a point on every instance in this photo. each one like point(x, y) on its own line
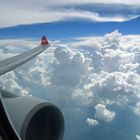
point(44, 41)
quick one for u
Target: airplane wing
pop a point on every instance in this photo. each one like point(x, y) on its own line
point(23, 117)
point(13, 62)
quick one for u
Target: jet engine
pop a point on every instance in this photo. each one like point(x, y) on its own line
point(33, 118)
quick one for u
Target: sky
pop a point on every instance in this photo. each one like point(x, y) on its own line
point(92, 69)
point(67, 18)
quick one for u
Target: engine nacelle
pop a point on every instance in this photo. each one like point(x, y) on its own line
point(34, 119)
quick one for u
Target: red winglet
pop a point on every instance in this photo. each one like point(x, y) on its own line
point(44, 41)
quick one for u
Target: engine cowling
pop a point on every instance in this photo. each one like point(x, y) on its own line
point(34, 119)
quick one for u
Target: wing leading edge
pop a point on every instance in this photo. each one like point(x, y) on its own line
point(13, 62)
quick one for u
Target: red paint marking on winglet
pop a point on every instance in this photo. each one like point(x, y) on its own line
point(44, 41)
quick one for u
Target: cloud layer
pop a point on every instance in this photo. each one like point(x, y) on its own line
point(21, 12)
point(94, 80)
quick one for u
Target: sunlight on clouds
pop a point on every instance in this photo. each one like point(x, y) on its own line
point(92, 122)
point(102, 113)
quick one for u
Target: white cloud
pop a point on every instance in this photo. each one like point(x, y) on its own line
point(130, 43)
point(103, 2)
point(112, 60)
point(137, 108)
point(19, 12)
point(127, 43)
point(131, 67)
point(137, 137)
point(71, 2)
point(71, 66)
point(66, 76)
point(92, 122)
point(102, 113)
point(113, 55)
point(9, 82)
point(112, 38)
point(117, 79)
point(109, 88)
point(93, 43)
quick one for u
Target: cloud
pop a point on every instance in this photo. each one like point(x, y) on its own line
point(118, 57)
point(103, 1)
point(70, 68)
point(112, 39)
point(109, 88)
point(67, 75)
point(102, 113)
point(116, 81)
point(92, 122)
point(9, 82)
point(91, 43)
point(72, 2)
point(137, 137)
point(130, 67)
point(27, 16)
point(137, 109)
point(112, 52)
point(45, 11)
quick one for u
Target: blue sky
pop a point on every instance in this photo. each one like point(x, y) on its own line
point(70, 29)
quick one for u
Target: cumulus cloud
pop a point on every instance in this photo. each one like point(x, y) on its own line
point(117, 78)
point(112, 40)
point(92, 43)
point(67, 75)
point(70, 68)
point(118, 57)
point(112, 52)
point(36, 71)
point(131, 67)
point(9, 82)
point(109, 88)
point(102, 113)
point(92, 122)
